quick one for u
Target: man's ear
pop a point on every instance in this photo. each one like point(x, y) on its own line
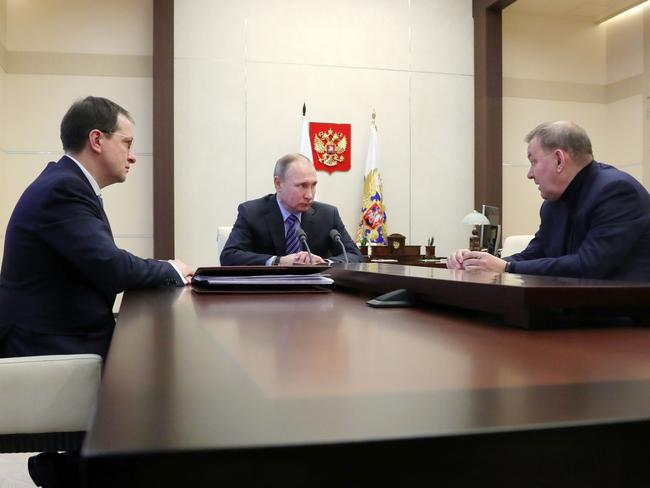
point(276, 182)
point(95, 140)
point(561, 160)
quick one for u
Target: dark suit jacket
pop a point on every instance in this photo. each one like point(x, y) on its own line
point(258, 233)
point(61, 269)
point(599, 228)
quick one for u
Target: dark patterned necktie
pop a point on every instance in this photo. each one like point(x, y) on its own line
point(293, 244)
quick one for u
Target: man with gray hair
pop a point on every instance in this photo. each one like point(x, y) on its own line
point(595, 219)
point(265, 232)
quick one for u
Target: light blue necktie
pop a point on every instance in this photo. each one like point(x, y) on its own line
point(293, 244)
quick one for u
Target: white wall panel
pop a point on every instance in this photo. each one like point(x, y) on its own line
point(38, 102)
point(442, 145)
point(4, 211)
point(554, 49)
point(437, 25)
point(80, 26)
point(214, 29)
point(624, 47)
point(624, 140)
point(3, 176)
point(3, 22)
point(210, 153)
point(368, 33)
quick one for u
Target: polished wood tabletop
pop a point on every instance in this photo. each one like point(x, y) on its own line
point(190, 372)
point(520, 300)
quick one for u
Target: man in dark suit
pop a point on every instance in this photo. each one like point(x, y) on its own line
point(595, 219)
point(61, 268)
point(265, 230)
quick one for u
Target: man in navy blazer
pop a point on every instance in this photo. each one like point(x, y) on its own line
point(595, 219)
point(61, 268)
point(263, 233)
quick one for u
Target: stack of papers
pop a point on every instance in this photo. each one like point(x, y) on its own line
point(257, 280)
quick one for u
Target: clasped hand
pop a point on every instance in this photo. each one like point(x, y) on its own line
point(301, 257)
point(475, 261)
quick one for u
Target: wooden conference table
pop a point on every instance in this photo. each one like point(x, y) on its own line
point(322, 390)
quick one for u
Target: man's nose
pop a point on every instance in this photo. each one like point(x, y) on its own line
point(530, 173)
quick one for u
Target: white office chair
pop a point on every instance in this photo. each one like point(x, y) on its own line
point(222, 236)
point(514, 244)
point(45, 401)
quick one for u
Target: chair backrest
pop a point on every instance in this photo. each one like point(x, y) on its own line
point(45, 401)
point(222, 236)
point(514, 244)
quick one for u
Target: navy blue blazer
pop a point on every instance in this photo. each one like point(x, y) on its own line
point(258, 233)
point(61, 269)
point(598, 228)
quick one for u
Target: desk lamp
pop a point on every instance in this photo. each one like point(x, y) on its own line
point(475, 219)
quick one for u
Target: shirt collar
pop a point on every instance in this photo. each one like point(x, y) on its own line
point(572, 192)
point(88, 176)
point(285, 213)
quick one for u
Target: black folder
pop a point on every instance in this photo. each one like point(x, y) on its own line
point(261, 279)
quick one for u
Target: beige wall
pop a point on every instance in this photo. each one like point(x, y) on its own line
point(3, 22)
point(4, 204)
point(625, 123)
point(244, 69)
point(3, 175)
point(58, 52)
point(569, 69)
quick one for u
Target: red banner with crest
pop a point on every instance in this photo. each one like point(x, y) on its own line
point(330, 146)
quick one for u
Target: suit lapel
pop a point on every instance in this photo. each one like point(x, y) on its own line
point(308, 223)
point(71, 166)
point(275, 226)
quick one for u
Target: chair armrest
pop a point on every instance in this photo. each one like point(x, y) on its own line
point(48, 393)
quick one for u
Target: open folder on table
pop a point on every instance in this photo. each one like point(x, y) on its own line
point(261, 279)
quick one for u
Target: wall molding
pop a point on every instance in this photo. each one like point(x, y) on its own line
point(80, 64)
point(115, 236)
point(625, 88)
point(573, 92)
point(58, 153)
point(527, 165)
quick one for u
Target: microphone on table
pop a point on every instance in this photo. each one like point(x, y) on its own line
point(303, 238)
point(336, 237)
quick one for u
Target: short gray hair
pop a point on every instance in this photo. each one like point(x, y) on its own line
point(568, 136)
point(283, 163)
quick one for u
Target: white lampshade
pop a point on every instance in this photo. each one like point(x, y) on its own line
point(475, 218)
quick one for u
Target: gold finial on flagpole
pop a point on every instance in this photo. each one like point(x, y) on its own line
point(374, 115)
